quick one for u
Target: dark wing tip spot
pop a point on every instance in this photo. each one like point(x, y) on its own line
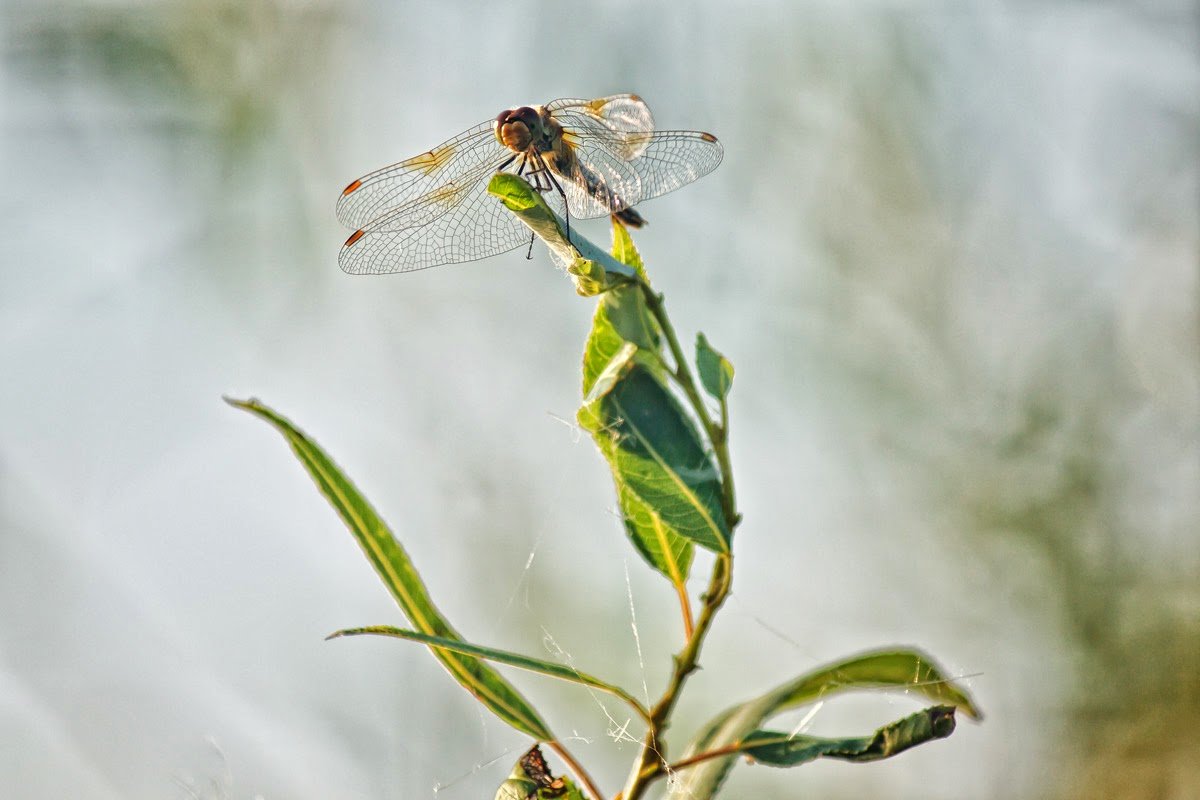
point(708, 137)
point(354, 237)
point(352, 187)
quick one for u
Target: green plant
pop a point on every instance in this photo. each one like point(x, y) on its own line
point(667, 446)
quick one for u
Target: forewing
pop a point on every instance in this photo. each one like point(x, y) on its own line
point(384, 190)
point(671, 159)
point(462, 222)
point(626, 113)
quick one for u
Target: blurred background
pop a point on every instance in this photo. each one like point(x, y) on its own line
point(952, 252)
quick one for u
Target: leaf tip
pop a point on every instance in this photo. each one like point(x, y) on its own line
point(941, 721)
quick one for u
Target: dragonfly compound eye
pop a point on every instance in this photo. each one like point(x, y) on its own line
point(515, 128)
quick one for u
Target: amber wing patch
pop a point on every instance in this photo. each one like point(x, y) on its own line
point(430, 161)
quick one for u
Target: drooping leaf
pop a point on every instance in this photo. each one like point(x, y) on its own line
point(716, 371)
point(538, 665)
point(400, 577)
point(655, 452)
point(908, 670)
point(779, 749)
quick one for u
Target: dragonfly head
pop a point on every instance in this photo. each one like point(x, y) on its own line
point(518, 128)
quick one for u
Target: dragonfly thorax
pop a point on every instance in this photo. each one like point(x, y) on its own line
point(520, 129)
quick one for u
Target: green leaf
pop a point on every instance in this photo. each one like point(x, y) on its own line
point(909, 670)
point(777, 749)
point(657, 542)
point(623, 249)
point(515, 192)
point(400, 577)
point(625, 305)
point(603, 383)
point(626, 310)
point(621, 317)
point(716, 372)
point(530, 207)
point(655, 453)
point(516, 789)
point(550, 668)
point(602, 346)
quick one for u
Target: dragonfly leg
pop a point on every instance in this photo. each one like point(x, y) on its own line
point(508, 161)
point(566, 207)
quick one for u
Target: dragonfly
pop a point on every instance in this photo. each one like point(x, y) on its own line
point(588, 158)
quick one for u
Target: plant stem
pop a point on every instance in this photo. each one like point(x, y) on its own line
point(576, 769)
point(692, 761)
point(707, 755)
point(685, 608)
point(651, 761)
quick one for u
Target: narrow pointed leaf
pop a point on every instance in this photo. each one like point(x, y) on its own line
point(656, 453)
point(541, 666)
point(400, 577)
point(779, 749)
point(908, 670)
point(716, 371)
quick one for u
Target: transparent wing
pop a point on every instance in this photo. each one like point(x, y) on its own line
point(602, 182)
point(621, 159)
point(596, 182)
point(671, 159)
point(380, 192)
point(460, 222)
point(620, 113)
